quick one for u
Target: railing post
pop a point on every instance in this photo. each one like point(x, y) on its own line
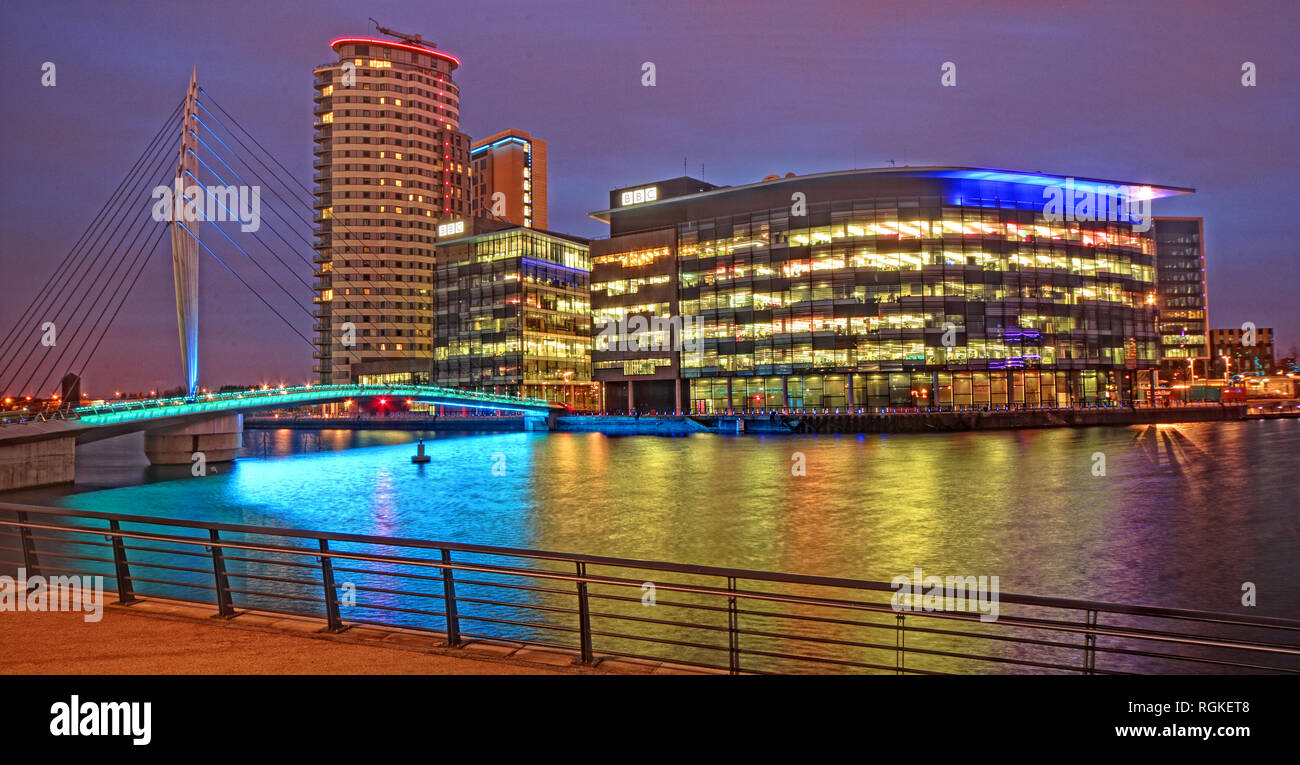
point(733, 629)
point(332, 617)
point(586, 655)
point(900, 642)
point(125, 595)
point(1090, 644)
point(225, 606)
point(30, 561)
point(449, 601)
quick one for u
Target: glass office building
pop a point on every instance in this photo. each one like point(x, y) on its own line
point(942, 287)
point(512, 315)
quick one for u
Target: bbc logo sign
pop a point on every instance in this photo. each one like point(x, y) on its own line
point(455, 227)
point(637, 196)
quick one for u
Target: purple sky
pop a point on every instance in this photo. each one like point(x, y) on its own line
point(1146, 92)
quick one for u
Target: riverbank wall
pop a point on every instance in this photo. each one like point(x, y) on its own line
point(907, 421)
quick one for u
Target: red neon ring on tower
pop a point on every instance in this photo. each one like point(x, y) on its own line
point(394, 44)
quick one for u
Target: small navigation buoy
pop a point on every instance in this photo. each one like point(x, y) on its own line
point(420, 458)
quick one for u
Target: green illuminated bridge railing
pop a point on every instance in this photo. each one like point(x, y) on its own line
point(236, 401)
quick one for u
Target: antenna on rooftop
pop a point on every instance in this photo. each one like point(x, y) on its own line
point(413, 39)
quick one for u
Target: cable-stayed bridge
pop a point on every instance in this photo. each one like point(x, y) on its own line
point(189, 180)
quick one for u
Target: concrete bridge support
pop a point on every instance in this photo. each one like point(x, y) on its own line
point(218, 438)
point(540, 422)
point(38, 463)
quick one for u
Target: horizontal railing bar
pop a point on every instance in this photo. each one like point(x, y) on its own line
point(502, 604)
point(840, 662)
point(164, 551)
point(58, 570)
point(270, 610)
point(148, 564)
point(362, 588)
point(138, 579)
point(273, 596)
point(73, 556)
point(367, 572)
point(268, 562)
point(661, 641)
point(265, 578)
point(87, 542)
point(605, 653)
point(513, 623)
point(530, 643)
point(1193, 659)
point(401, 609)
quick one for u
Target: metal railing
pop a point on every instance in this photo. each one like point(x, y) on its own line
point(728, 620)
point(19, 418)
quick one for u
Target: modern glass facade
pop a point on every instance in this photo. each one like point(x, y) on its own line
point(1182, 299)
point(513, 316)
point(891, 289)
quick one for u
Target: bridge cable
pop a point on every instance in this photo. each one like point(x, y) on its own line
point(268, 207)
point(274, 281)
point(66, 294)
point(139, 227)
point(246, 284)
point(63, 270)
point(265, 246)
point(149, 250)
point(249, 168)
point(348, 247)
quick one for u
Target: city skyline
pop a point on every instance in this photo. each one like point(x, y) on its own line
point(607, 130)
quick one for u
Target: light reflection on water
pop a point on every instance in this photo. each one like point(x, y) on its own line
point(1184, 515)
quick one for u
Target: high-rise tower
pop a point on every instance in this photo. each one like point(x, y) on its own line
point(510, 178)
point(390, 165)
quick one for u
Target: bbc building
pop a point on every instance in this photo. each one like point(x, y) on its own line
point(933, 287)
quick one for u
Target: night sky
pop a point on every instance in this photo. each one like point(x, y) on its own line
point(1146, 92)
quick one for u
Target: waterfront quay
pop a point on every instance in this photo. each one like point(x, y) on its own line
point(789, 421)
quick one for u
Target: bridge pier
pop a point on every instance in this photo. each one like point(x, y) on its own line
point(541, 423)
point(38, 463)
point(219, 438)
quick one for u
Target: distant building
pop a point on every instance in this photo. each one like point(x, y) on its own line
point(1234, 352)
point(391, 165)
point(1181, 298)
point(513, 315)
point(509, 180)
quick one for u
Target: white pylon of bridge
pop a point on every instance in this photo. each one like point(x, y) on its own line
point(185, 247)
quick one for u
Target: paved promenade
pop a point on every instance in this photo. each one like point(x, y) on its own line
point(165, 637)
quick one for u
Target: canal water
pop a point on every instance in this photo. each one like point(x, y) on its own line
point(1172, 515)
